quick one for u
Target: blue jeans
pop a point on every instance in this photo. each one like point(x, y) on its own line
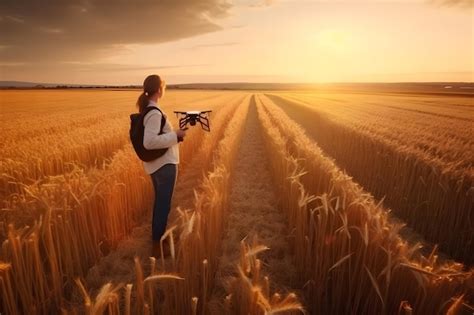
point(164, 180)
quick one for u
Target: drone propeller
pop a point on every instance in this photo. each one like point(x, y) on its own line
point(180, 113)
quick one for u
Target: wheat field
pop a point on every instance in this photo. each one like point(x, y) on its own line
point(296, 202)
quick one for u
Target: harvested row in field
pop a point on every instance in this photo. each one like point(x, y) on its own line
point(253, 216)
point(81, 216)
point(350, 256)
point(433, 201)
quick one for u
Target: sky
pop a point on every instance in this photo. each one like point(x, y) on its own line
point(184, 41)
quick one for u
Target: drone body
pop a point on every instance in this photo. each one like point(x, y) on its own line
point(192, 117)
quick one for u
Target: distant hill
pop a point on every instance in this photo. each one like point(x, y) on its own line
point(23, 84)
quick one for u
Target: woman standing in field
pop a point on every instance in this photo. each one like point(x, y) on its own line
point(164, 169)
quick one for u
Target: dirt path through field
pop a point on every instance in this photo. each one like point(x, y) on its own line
point(254, 213)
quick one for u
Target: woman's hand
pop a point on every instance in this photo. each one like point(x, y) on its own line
point(181, 133)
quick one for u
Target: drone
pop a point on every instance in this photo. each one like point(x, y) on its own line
point(192, 117)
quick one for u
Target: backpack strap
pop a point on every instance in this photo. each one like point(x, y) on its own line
point(163, 118)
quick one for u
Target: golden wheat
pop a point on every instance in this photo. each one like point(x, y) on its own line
point(345, 247)
point(65, 137)
point(60, 216)
point(419, 161)
point(101, 205)
point(250, 292)
point(190, 263)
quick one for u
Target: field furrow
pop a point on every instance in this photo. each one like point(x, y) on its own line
point(294, 203)
point(435, 199)
point(254, 217)
point(345, 248)
point(437, 137)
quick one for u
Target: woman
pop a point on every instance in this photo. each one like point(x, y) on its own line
point(163, 170)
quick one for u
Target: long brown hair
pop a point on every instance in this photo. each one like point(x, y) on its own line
point(151, 85)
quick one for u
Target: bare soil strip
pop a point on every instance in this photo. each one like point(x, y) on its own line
point(253, 213)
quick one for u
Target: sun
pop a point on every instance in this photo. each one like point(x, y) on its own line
point(333, 40)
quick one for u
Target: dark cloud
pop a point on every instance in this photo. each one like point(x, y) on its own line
point(88, 66)
point(71, 30)
point(455, 3)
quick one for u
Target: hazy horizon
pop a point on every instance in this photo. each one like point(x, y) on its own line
point(245, 82)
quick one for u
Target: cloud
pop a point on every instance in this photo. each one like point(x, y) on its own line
point(455, 3)
point(112, 67)
point(91, 66)
point(258, 4)
point(214, 45)
point(71, 30)
point(14, 19)
point(86, 72)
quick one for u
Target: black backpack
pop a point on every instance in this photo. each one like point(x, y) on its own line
point(137, 131)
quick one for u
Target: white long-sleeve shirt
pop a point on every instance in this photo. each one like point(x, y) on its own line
point(152, 140)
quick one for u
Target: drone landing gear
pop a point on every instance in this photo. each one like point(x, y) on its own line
point(194, 117)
